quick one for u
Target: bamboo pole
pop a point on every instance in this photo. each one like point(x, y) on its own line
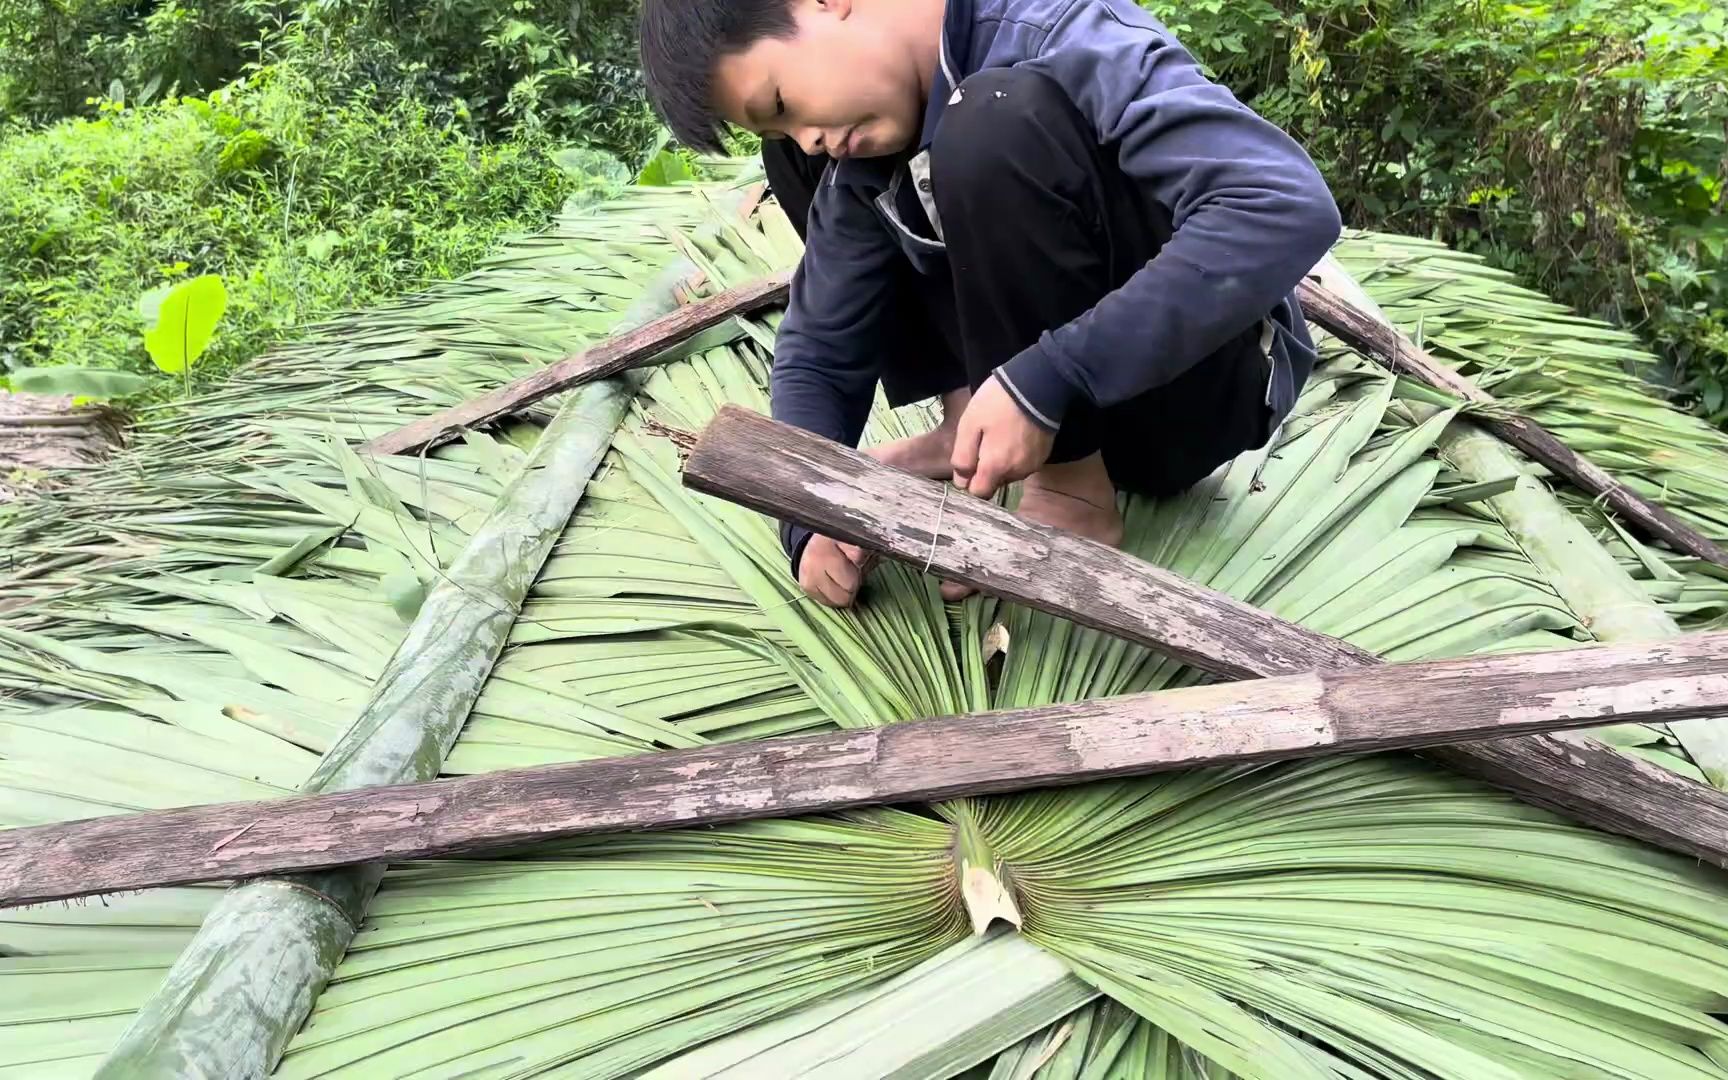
point(1607, 601)
point(246, 982)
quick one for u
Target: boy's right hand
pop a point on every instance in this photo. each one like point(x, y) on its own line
point(832, 572)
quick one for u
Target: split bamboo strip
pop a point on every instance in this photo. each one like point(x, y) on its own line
point(613, 356)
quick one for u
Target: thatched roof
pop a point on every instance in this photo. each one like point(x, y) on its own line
point(207, 617)
point(43, 433)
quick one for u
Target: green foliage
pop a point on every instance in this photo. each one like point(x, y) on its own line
point(494, 66)
point(303, 207)
point(1582, 145)
point(55, 55)
point(668, 164)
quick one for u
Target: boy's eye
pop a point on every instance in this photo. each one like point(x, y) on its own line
point(779, 104)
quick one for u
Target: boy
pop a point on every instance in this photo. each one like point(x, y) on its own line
point(1038, 210)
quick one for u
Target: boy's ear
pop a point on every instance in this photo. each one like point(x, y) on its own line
point(840, 9)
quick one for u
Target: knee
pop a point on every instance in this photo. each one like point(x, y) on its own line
point(1000, 124)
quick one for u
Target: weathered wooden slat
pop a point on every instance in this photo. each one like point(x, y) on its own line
point(754, 461)
point(1385, 344)
point(747, 458)
point(608, 358)
point(1377, 707)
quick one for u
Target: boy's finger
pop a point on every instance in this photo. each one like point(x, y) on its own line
point(846, 577)
point(954, 590)
point(863, 559)
point(964, 458)
point(986, 480)
point(813, 572)
point(832, 594)
point(827, 591)
point(826, 596)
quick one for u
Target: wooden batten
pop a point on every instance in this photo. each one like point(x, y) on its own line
point(1359, 709)
point(779, 470)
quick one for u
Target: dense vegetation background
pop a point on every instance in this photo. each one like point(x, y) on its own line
point(319, 154)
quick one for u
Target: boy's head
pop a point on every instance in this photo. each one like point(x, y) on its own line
point(841, 77)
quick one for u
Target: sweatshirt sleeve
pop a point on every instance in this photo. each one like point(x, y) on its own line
point(827, 355)
point(1251, 213)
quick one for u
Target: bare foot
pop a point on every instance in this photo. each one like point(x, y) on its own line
point(926, 455)
point(930, 454)
point(953, 591)
point(1076, 496)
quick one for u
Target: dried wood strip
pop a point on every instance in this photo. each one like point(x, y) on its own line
point(747, 458)
point(616, 354)
point(1387, 345)
point(1356, 710)
point(752, 460)
point(63, 420)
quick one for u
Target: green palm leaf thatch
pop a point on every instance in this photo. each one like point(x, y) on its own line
point(1588, 382)
point(230, 602)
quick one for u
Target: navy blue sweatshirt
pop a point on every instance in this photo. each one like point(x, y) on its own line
point(1251, 216)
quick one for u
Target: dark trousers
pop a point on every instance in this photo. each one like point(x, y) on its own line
point(1040, 223)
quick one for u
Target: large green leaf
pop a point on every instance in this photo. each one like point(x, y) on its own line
point(95, 383)
point(185, 322)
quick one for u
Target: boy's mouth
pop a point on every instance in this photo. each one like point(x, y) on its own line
point(842, 147)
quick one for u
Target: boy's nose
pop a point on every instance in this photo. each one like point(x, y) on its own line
point(810, 140)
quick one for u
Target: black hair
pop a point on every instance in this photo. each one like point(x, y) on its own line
point(683, 42)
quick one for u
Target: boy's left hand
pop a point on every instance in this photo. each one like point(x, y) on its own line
point(996, 443)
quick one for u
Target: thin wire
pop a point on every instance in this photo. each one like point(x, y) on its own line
point(783, 603)
point(437, 569)
point(937, 531)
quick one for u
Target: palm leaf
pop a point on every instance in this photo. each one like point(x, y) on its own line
point(1589, 383)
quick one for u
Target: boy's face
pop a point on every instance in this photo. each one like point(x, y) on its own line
point(846, 84)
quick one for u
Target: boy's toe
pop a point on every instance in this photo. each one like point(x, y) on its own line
point(953, 591)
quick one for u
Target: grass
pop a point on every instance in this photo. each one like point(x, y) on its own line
point(304, 207)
